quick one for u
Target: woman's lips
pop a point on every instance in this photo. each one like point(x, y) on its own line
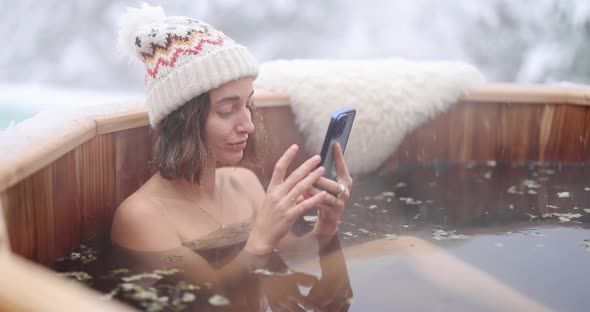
point(238, 146)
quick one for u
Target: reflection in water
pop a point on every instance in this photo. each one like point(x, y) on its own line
point(176, 280)
point(475, 237)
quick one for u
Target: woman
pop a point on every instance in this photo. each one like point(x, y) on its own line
point(200, 86)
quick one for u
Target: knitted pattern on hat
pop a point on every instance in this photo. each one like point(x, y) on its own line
point(184, 57)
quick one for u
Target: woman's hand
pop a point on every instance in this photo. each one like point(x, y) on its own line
point(284, 202)
point(331, 207)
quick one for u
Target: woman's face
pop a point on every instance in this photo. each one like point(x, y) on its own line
point(229, 121)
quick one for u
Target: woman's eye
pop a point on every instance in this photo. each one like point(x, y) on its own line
point(225, 112)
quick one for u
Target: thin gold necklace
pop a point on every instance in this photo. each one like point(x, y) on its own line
point(221, 226)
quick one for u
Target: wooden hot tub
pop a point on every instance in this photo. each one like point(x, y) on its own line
point(63, 190)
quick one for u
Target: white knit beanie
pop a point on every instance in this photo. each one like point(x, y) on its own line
point(184, 57)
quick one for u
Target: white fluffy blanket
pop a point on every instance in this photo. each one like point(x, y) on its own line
point(392, 97)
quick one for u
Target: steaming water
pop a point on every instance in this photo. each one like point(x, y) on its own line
point(485, 235)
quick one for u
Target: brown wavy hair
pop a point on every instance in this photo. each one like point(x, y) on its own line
point(180, 149)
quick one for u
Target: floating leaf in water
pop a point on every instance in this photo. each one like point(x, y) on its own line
point(187, 286)
point(348, 233)
point(140, 276)
point(218, 300)
point(115, 273)
point(586, 210)
point(378, 197)
point(372, 206)
point(365, 231)
point(390, 236)
point(173, 258)
point(188, 297)
point(442, 234)
point(531, 184)
point(410, 201)
point(167, 271)
point(79, 276)
point(388, 194)
point(164, 299)
point(552, 207)
point(532, 192)
point(563, 194)
point(127, 286)
point(119, 271)
point(514, 190)
point(141, 293)
point(587, 189)
point(563, 217)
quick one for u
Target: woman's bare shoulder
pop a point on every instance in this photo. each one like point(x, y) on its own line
point(140, 223)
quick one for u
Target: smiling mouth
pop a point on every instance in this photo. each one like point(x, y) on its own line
point(238, 145)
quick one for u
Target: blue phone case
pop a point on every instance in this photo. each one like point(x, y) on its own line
point(338, 132)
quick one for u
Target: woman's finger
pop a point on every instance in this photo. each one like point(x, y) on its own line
point(341, 168)
point(330, 199)
point(299, 199)
point(308, 204)
point(303, 185)
point(328, 185)
point(301, 172)
point(282, 164)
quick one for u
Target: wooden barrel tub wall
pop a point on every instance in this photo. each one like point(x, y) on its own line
point(62, 191)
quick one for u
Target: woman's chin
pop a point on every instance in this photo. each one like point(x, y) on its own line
point(230, 160)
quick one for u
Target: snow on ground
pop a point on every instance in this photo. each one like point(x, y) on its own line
point(29, 113)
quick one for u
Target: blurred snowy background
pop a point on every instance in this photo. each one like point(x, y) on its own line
point(61, 53)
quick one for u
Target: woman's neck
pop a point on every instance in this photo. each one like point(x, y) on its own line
point(205, 189)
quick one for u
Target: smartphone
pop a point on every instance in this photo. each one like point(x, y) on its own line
point(338, 132)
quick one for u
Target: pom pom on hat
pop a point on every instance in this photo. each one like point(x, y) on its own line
point(132, 22)
point(184, 57)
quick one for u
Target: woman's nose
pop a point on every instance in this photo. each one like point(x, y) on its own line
point(245, 124)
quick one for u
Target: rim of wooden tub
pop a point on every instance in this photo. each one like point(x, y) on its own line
point(40, 154)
